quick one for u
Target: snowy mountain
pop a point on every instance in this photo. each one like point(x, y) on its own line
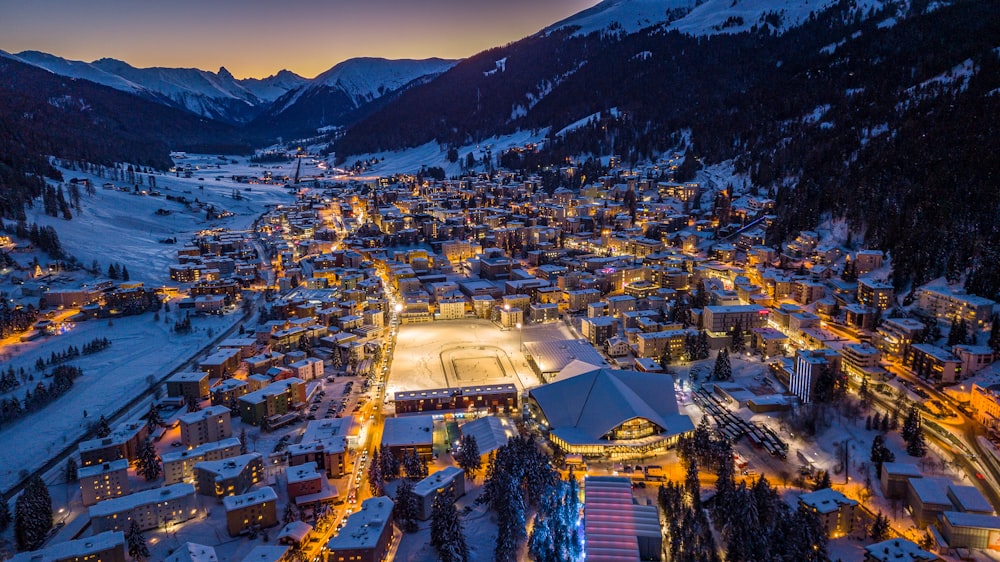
point(324, 100)
point(696, 17)
point(218, 95)
point(345, 92)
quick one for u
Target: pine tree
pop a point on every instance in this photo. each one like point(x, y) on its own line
point(994, 341)
point(739, 338)
point(103, 428)
point(390, 464)
point(376, 482)
point(415, 468)
point(468, 457)
point(692, 483)
point(136, 542)
point(917, 446)
point(153, 417)
point(124, 273)
point(701, 345)
point(447, 534)
point(723, 370)
point(148, 463)
point(880, 454)
point(913, 434)
point(5, 517)
point(243, 441)
point(71, 470)
point(405, 508)
point(32, 515)
point(823, 481)
point(958, 333)
point(291, 514)
point(879, 530)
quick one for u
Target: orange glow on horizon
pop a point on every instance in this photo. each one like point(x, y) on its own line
point(258, 39)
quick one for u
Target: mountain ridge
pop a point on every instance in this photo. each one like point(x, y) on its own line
point(222, 97)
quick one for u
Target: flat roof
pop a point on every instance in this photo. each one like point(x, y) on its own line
point(826, 500)
point(254, 497)
point(195, 417)
point(78, 548)
point(301, 473)
point(484, 389)
point(931, 490)
point(969, 499)
point(411, 430)
point(228, 468)
point(200, 450)
point(120, 504)
point(188, 376)
point(438, 480)
point(902, 469)
point(364, 528)
point(978, 520)
point(95, 469)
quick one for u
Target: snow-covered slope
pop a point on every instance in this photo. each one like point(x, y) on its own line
point(628, 16)
point(696, 17)
point(335, 97)
point(365, 79)
point(220, 96)
point(273, 87)
point(216, 95)
point(76, 69)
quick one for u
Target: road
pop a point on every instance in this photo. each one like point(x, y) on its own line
point(124, 410)
point(967, 430)
point(371, 414)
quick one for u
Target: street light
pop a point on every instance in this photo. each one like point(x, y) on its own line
point(520, 338)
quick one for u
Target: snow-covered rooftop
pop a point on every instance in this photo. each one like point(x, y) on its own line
point(364, 528)
point(438, 480)
point(586, 407)
point(117, 505)
point(75, 549)
point(193, 552)
point(412, 430)
point(253, 497)
point(491, 432)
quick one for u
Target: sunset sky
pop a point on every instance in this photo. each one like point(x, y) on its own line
point(256, 38)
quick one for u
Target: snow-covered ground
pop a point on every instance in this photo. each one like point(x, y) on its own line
point(426, 353)
point(410, 160)
point(123, 228)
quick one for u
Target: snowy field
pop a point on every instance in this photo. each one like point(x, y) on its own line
point(464, 352)
point(121, 227)
point(142, 349)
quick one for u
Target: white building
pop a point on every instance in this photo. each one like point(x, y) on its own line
point(427, 489)
point(150, 509)
point(178, 466)
point(205, 426)
point(99, 482)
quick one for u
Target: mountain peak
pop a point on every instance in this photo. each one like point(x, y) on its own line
point(224, 73)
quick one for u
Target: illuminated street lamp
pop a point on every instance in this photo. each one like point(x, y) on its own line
point(520, 338)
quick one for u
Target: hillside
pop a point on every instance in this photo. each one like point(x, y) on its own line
point(826, 115)
point(43, 114)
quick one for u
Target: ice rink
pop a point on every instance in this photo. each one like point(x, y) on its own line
point(463, 353)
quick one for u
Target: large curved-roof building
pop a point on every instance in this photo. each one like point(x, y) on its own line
point(620, 414)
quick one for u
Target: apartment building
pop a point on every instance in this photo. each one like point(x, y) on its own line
point(205, 426)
